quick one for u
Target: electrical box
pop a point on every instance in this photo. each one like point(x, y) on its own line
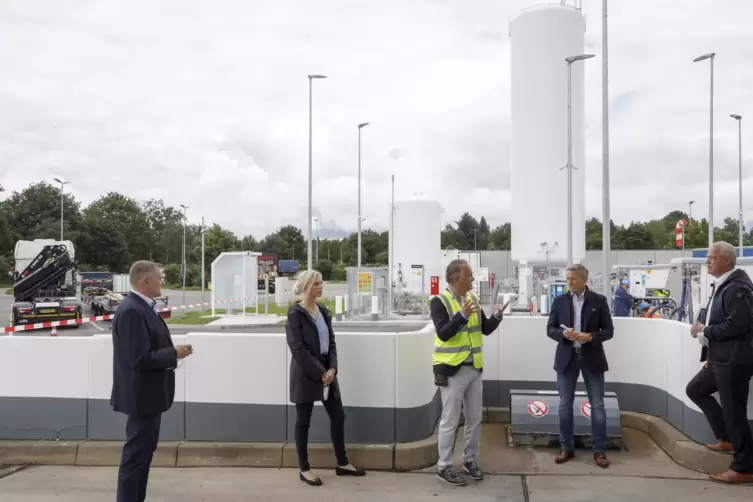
point(556, 289)
point(648, 279)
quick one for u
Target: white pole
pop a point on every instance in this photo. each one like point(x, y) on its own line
point(711, 157)
point(62, 186)
point(360, 126)
point(606, 219)
point(202, 259)
point(245, 279)
point(390, 245)
point(569, 164)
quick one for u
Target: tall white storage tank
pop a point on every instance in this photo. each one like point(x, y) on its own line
point(417, 241)
point(540, 39)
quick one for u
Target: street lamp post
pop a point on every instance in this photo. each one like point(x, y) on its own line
point(316, 220)
point(310, 247)
point(569, 166)
point(360, 126)
point(739, 119)
point(710, 56)
point(62, 186)
point(183, 260)
point(203, 230)
point(606, 219)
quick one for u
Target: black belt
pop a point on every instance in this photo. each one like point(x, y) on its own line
point(578, 349)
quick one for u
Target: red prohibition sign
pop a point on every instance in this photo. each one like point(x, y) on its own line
point(538, 408)
point(585, 409)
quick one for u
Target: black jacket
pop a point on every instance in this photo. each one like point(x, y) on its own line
point(448, 327)
point(144, 359)
point(729, 323)
point(307, 366)
point(595, 320)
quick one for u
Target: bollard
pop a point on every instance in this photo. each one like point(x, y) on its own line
point(374, 308)
point(347, 305)
point(338, 308)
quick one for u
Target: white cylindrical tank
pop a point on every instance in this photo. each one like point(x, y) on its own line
point(540, 39)
point(416, 241)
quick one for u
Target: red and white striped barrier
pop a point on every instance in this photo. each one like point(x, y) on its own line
point(680, 233)
point(83, 320)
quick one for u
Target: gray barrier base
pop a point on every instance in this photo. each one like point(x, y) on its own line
point(534, 417)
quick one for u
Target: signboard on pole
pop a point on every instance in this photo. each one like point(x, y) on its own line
point(364, 282)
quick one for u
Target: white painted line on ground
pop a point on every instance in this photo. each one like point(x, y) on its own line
point(97, 326)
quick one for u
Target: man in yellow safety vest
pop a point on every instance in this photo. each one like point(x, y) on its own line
point(458, 362)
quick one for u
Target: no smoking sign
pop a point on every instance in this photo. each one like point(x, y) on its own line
point(585, 410)
point(538, 408)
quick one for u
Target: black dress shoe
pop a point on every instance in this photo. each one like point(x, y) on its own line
point(342, 471)
point(312, 482)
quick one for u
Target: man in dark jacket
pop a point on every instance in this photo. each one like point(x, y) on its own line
point(623, 300)
point(580, 323)
point(727, 339)
point(143, 383)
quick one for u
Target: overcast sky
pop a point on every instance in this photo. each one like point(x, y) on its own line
point(205, 103)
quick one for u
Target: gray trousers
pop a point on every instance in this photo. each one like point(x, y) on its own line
point(464, 391)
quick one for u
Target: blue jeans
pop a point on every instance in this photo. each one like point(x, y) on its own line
point(566, 383)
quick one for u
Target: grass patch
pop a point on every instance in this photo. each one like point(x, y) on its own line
point(204, 316)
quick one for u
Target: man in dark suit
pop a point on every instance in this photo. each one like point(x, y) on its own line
point(727, 340)
point(587, 325)
point(143, 384)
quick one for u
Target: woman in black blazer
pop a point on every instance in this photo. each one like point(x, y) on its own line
point(313, 373)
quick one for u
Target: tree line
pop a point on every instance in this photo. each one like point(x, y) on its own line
point(115, 230)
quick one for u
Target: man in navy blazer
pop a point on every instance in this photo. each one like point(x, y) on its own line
point(143, 383)
point(580, 323)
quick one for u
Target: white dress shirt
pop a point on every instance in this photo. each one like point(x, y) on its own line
point(717, 283)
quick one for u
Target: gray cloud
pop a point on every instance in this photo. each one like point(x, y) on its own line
point(208, 105)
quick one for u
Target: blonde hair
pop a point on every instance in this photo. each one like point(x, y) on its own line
point(305, 280)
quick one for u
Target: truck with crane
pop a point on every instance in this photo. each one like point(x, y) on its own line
point(44, 282)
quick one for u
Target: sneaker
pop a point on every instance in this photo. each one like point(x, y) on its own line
point(472, 469)
point(450, 476)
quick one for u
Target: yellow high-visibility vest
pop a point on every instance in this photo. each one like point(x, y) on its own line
point(467, 344)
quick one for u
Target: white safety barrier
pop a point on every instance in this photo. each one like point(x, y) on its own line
point(236, 386)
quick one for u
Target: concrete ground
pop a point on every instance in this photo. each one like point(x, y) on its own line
point(641, 473)
point(97, 484)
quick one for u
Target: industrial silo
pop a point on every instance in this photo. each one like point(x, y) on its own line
point(541, 38)
point(416, 245)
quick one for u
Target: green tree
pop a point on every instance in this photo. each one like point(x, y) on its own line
point(34, 213)
point(123, 215)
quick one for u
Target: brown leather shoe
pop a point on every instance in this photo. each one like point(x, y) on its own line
point(721, 446)
point(601, 459)
point(564, 456)
point(732, 477)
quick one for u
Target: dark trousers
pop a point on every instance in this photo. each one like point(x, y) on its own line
point(729, 422)
point(334, 407)
point(142, 436)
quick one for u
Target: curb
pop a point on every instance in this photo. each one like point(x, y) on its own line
point(677, 445)
point(377, 457)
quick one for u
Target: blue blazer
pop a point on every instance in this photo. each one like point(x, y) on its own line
point(595, 320)
point(144, 360)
